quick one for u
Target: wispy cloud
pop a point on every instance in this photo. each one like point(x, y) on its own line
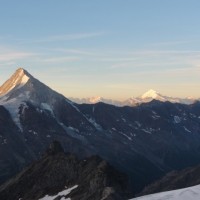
point(14, 55)
point(5, 64)
point(64, 37)
point(83, 52)
point(166, 74)
point(76, 36)
point(59, 59)
point(154, 59)
point(162, 52)
point(151, 64)
point(173, 43)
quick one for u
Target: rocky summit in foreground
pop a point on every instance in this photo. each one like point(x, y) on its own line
point(63, 176)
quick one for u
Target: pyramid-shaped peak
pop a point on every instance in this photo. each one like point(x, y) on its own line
point(21, 72)
point(150, 94)
point(17, 80)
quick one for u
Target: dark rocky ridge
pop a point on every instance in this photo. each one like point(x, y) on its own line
point(55, 171)
point(175, 180)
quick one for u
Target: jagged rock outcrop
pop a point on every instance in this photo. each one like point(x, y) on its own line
point(94, 177)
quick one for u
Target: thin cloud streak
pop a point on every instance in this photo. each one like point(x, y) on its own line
point(109, 56)
point(76, 51)
point(164, 72)
point(163, 52)
point(64, 37)
point(172, 43)
point(73, 36)
point(59, 59)
point(145, 64)
point(5, 64)
point(10, 56)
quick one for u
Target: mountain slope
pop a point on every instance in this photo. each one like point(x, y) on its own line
point(91, 178)
point(144, 141)
point(175, 180)
point(33, 92)
point(32, 115)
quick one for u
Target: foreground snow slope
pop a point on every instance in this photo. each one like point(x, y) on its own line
point(190, 193)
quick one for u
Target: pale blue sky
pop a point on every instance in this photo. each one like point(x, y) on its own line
point(110, 48)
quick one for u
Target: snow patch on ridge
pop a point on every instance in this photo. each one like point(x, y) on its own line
point(46, 106)
point(95, 124)
point(62, 194)
point(177, 119)
point(187, 130)
point(24, 80)
point(13, 105)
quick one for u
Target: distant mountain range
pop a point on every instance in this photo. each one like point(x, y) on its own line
point(144, 142)
point(134, 101)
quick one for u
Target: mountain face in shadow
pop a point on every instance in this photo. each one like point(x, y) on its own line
point(175, 180)
point(144, 141)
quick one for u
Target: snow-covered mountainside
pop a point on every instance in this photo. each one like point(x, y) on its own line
point(22, 88)
point(144, 141)
point(190, 193)
point(134, 101)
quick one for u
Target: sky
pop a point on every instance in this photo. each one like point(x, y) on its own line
point(111, 48)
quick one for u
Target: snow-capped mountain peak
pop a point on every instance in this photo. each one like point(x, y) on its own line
point(21, 88)
point(150, 94)
point(17, 80)
point(95, 99)
point(22, 84)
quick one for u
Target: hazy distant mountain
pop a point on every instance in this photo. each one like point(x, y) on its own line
point(94, 100)
point(152, 94)
point(144, 141)
point(133, 101)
